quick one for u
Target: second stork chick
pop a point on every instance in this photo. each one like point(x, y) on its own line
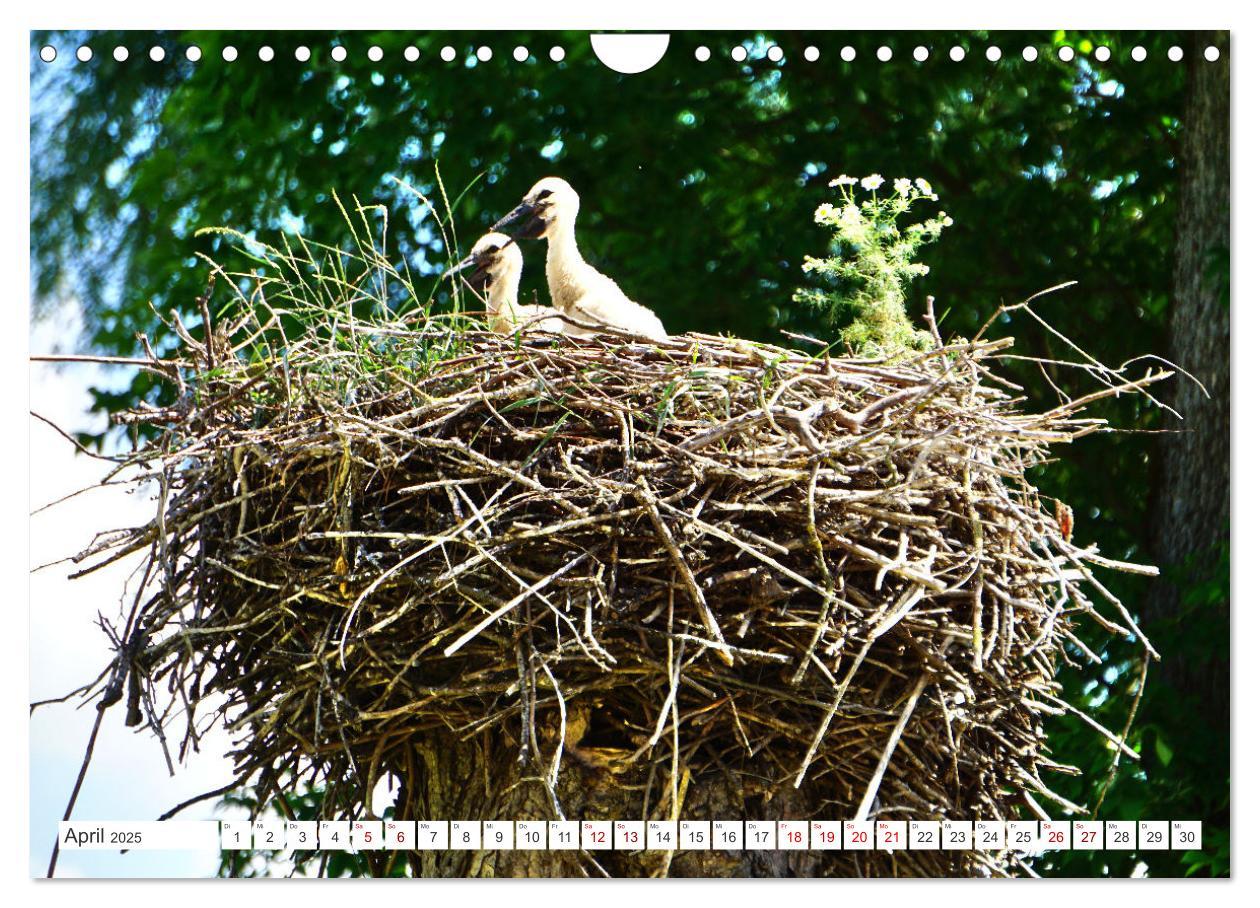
point(550, 210)
point(497, 264)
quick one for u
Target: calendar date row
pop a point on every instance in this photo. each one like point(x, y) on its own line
point(667, 835)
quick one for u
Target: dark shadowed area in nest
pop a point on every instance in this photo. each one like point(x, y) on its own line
point(532, 578)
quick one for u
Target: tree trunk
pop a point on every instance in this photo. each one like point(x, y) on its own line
point(480, 779)
point(1192, 513)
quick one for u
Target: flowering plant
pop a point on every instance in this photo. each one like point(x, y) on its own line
point(871, 261)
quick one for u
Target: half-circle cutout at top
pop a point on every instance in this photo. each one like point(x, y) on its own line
point(630, 53)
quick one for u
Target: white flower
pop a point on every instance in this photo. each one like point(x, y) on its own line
point(947, 221)
point(843, 180)
point(873, 182)
point(824, 212)
point(924, 186)
point(902, 186)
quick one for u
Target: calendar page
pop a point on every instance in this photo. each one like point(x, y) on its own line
point(689, 453)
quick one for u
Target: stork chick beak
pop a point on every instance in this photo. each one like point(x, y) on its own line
point(513, 216)
point(532, 226)
point(468, 262)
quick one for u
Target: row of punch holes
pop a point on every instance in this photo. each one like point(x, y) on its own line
point(739, 54)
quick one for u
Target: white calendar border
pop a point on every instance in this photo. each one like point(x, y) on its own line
point(147, 14)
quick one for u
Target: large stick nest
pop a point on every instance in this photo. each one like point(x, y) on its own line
point(692, 556)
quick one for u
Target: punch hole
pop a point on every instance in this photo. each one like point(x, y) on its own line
point(157, 54)
point(520, 54)
point(774, 54)
point(121, 54)
point(1175, 54)
point(193, 53)
point(1066, 54)
point(921, 53)
point(811, 54)
point(957, 54)
point(1030, 54)
point(1138, 53)
point(993, 54)
point(48, 53)
point(266, 54)
point(448, 53)
point(375, 54)
point(302, 53)
point(848, 54)
point(1102, 54)
point(739, 53)
point(339, 54)
point(883, 54)
point(556, 54)
point(229, 53)
point(484, 54)
point(628, 54)
point(84, 53)
point(703, 53)
point(1211, 54)
point(411, 53)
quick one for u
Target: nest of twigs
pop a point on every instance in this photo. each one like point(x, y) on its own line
point(678, 577)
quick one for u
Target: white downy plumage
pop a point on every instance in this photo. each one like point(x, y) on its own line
point(550, 210)
point(498, 264)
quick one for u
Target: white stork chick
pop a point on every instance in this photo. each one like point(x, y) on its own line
point(550, 210)
point(497, 264)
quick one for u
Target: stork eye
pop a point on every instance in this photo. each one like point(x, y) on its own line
point(542, 195)
point(491, 250)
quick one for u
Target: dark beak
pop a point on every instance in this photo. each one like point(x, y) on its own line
point(480, 277)
point(513, 216)
point(456, 269)
point(532, 228)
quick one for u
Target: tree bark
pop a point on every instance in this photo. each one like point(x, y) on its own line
point(1192, 511)
point(481, 779)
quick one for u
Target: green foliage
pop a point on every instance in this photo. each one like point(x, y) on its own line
point(296, 286)
point(871, 262)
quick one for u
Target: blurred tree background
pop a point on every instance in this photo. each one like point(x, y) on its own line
point(699, 181)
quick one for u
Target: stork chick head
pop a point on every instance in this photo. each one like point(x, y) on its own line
point(493, 258)
point(550, 202)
